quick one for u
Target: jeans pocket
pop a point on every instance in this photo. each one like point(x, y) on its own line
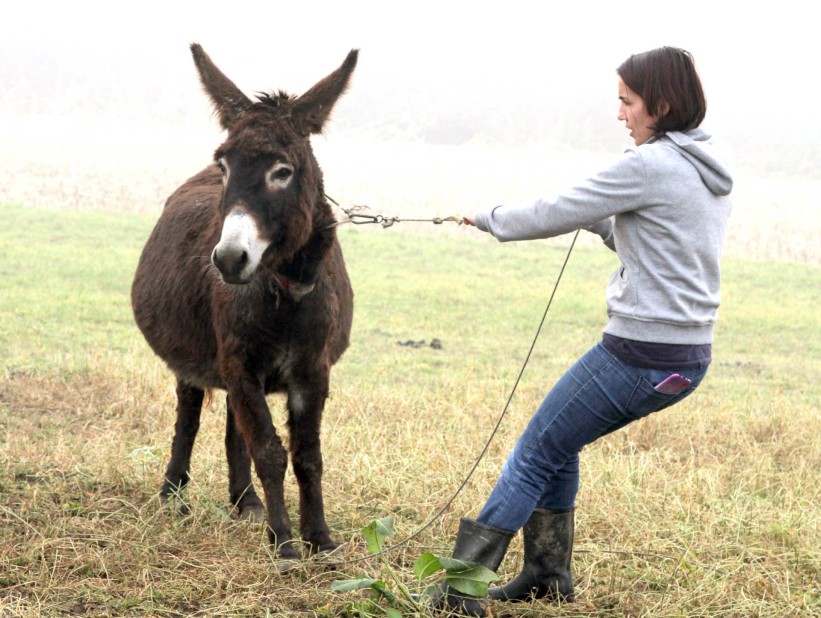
point(645, 399)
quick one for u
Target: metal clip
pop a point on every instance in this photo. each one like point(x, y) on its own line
point(359, 219)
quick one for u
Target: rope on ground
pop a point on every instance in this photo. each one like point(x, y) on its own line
point(489, 440)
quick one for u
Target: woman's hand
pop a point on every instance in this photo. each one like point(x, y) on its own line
point(468, 221)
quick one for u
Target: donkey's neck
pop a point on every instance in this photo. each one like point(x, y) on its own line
point(299, 275)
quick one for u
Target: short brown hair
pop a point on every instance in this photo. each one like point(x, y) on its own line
point(667, 81)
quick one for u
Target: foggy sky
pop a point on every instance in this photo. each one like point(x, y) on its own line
point(519, 68)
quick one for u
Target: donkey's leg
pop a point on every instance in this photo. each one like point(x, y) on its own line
point(253, 419)
point(270, 461)
point(189, 406)
point(240, 487)
point(305, 405)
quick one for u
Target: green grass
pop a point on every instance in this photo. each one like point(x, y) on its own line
point(66, 284)
point(707, 510)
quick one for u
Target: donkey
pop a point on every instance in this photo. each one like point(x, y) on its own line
point(242, 287)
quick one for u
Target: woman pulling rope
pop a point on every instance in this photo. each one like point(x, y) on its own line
point(663, 207)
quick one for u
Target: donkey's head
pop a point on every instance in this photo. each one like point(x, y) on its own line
point(272, 186)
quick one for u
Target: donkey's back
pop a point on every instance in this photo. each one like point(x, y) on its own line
point(173, 284)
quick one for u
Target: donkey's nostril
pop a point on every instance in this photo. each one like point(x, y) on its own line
point(231, 262)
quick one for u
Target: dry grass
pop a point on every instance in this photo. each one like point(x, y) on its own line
point(710, 510)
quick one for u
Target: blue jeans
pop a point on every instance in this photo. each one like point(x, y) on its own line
point(597, 396)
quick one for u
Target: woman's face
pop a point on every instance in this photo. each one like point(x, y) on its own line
point(634, 113)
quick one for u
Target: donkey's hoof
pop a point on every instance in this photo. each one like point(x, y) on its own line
point(329, 545)
point(253, 514)
point(288, 551)
point(175, 504)
point(285, 565)
point(321, 544)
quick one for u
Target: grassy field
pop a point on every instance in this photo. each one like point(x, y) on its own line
point(709, 509)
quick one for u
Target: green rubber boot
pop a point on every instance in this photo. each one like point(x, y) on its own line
point(548, 544)
point(475, 542)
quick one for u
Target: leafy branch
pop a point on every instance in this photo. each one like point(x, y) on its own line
point(397, 601)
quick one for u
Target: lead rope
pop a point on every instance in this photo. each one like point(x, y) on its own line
point(374, 219)
point(354, 216)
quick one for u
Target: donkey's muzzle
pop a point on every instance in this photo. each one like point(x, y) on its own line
point(240, 248)
point(232, 263)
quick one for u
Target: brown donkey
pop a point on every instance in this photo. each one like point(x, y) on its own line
point(242, 286)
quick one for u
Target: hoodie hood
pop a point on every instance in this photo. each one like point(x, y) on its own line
point(706, 156)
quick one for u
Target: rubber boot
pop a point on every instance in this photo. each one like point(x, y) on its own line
point(548, 543)
point(479, 543)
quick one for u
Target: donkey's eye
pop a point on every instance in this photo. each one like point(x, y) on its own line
point(282, 173)
point(221, 166)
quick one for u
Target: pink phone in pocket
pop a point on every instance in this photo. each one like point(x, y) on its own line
point(673, 384)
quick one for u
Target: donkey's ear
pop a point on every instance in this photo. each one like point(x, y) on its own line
point(229, 102)
point(312, 109)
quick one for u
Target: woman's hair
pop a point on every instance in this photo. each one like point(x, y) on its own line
point(667, 81)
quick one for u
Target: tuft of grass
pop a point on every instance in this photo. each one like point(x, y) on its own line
point(708, 509)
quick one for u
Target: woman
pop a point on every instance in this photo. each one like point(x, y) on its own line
point(663, 207)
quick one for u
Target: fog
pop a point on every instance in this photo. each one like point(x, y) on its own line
point(439, 86)
point(506, 56)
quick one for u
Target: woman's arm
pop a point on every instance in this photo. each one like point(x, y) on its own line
point(618, 189)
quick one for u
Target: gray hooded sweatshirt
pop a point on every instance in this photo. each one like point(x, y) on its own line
point(663, 207)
